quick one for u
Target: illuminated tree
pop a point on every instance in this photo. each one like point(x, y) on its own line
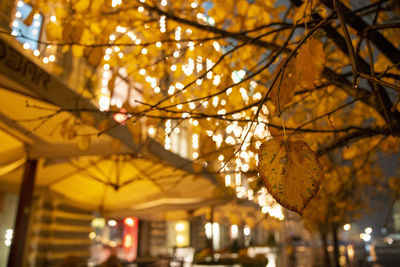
point(226, 76)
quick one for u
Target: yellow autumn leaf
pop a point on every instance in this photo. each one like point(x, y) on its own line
point(77, 51)
point(228, 152)
point(283, 90)
point(208, 148)
point(93, 55)
point(309, 63)
point(290, 171)
point(82, 5)
point(61, 13)
point(53, 31)
point(72, 33)
point(349, 152)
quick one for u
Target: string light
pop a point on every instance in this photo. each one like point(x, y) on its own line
point(162, 24)
point(115, 3)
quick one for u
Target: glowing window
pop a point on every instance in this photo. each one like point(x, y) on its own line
point(27, 34)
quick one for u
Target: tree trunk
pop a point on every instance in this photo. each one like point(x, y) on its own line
point(335, 244)
point(325, 248)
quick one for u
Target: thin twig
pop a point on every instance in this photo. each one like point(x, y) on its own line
point(347, 38)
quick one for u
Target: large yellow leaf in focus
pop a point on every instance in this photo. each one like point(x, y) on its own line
point(290, 171)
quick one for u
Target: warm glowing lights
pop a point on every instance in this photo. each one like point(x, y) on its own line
point(182, 233)
point(98, 223)
point(347, 227)
point(198, 65)
point(246, 230)
point(238, 179)
point(179, 227)
point(162, 24)
point(195, 145)
point(8, 237)
point(171, 90)
point(234, 231)
point(365, 237)
point(368, 230)
point(120, 117)
point(168, 129)
point(129, 221)
point(151, 131)
point(178, 31)
point(228, 180)
point(92, 235)
point(115, 3)
point(180, 239)
point(112, 223)
point(127, 241)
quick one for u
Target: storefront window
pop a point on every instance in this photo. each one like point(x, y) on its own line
point(27, 25)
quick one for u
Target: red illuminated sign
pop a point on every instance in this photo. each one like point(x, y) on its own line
point(130, 238)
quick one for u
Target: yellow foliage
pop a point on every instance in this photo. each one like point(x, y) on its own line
point(72, 33)
point(53, 31)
